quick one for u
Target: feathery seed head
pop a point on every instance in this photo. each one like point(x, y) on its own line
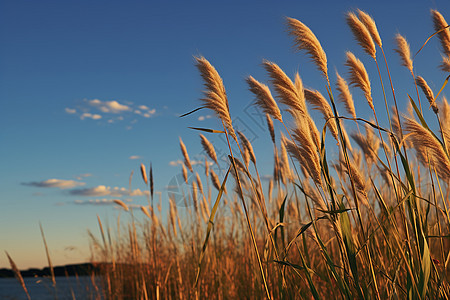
point(215, 95)
point(287, 91)
point(445, 65)
point(423, 142)
point(121, 204)
point(361, 34)
point(247, 146)
point(359, 77)
point(185, 173)
point(428, 92)
point(444, 36)
point(369, 22)
point(316, 99)
point(187, 161)
point(306, 40)
point(345, 96)
point(144, 173)
point(264, 98)
point(270, 126)
point(209, 148)
point(404, 51)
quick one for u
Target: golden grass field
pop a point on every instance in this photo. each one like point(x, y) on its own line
point(372, 224)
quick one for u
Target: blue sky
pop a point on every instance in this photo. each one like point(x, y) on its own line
point(89, 90)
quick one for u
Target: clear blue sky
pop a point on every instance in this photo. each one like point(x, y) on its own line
point(91, 89)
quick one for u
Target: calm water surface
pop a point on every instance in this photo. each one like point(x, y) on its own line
point(41, 288)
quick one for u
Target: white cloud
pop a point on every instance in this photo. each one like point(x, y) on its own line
point(91, 116)
point(202, 118)
point(55, 183)
point(95, 201)
point(109, 106)
point(110, 111)
point(81, 176)
point(175, 163)
point(134, 157)
point(70, 110)
point(101, 191)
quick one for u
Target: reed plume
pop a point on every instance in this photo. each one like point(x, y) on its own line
point(359, 77)
point(247, 146)
point(17, 274)
point(215, 97)
point(264, 98)
point(306, 40)
point(357, 177)
point(361, 34)
point(445, 112)
point(270, 189)
point(428, 93)
point(368, 144)
point(145, 211)
point(187, 161)
point(121, 204)
point(270, 127)
point(424, 141)
point(185, 173)
point(144, 174)
point(289, 93)
point(369, 22)
point(307, 151)
point(345, 96)
point(172, 216)
point(194, 195)
point(316, 99)
point(444, 36)
point(445, 121)
point(404, 51)
point(209, 148)
point(199, 182)
point(445, 65)
point(215, 180)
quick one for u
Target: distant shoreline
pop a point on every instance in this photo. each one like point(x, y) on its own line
point(65, 270)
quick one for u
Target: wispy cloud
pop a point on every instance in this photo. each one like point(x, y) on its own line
point(55, 183)
point(70, 110)
point(111, 111)
point(203, 118)
point(103, 201)
point(113, 107)
point(175, 163)
point(90, 116)
point(81, 176)
point(134, 157)
point(102, 190)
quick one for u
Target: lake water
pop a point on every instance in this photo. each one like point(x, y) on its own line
point(41, 288)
